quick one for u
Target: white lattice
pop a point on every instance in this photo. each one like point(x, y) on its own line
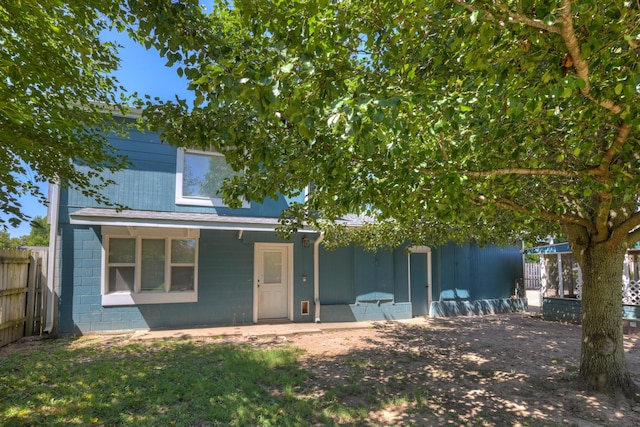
point(543, 278)
point(631, 292)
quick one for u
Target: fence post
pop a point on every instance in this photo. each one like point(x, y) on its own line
point(31, 293)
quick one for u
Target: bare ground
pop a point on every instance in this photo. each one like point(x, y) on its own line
point(498, 370)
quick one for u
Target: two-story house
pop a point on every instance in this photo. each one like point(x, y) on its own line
point(177, 257)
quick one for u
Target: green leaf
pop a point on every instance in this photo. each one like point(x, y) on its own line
point(550, 19)
point(287, 68)
point(198, 100)
point(618, 88)
point(474, 16)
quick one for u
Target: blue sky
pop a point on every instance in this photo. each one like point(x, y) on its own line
point(140, 71)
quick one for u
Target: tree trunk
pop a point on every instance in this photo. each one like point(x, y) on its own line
point(602, 362)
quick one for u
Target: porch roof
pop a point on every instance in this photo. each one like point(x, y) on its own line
point(113, 217)
point(561, 248)
point(556, 248)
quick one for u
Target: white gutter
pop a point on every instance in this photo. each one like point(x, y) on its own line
point(52, 294)
point(316, 275)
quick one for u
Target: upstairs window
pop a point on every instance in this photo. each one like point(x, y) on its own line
point(199, 177)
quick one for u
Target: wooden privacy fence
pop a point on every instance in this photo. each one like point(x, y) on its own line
point(22, 293)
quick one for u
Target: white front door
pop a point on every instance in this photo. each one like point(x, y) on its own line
point(273, 277)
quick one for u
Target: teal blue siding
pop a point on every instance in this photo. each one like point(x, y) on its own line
point(487, 272)
point(337, 276)
point(357, 285)
point(349, 272)
point(225, 284)
point(149, 182)
point(384, 269)
point(366, 269)
point(400, 272)
point(351, 279)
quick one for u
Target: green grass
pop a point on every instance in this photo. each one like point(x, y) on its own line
point(183, 383)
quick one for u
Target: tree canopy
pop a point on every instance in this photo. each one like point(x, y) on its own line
point(441, 119)
point(54, 83)
point(38, 235)
point(487, 118)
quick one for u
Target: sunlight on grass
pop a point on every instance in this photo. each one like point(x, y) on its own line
point(162, 383)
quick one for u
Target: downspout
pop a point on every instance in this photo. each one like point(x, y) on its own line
point(316, 275)
point(52, 294)
point(409, 275)
point(429, 284)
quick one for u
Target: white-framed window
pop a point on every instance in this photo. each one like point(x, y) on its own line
point(149, 265)
point(308, 190)
point(199, 177)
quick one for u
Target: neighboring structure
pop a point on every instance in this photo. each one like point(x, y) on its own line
point(179, 258)
point(561, 282)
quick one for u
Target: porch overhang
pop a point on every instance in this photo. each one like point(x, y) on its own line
point(557, 248)
point(205, 221)
point(561, 248)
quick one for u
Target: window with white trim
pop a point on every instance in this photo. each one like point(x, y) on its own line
point(199, 177)
point(149, 265)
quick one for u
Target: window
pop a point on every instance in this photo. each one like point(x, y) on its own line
point(199, 177)
point(149, 266)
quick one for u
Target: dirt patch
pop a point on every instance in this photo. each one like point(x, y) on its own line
point(501, 370)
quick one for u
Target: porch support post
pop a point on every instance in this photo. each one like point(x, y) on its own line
point(560, 277)
point(626, 280)
point(543, 278)
point(429, 283)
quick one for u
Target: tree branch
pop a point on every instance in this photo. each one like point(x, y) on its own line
point(602, 217)
point(532, 172)
point(633, 237)
point(509, 205)
point(565, 29)
point(581, 66)
point(621, 138)
point(628, 230)
point(513, 18)
point(573, 46)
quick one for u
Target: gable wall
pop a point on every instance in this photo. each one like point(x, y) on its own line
point(149, 182)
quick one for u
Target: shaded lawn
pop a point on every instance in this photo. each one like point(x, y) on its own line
point(71, 382)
